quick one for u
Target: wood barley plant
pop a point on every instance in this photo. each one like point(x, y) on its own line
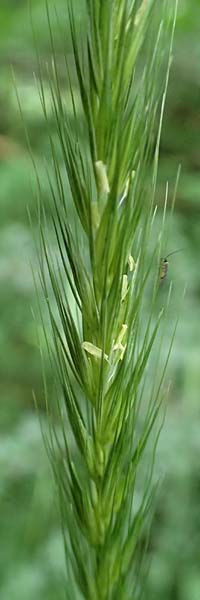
point(100, 279)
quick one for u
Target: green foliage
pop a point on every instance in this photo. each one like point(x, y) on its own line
point(33, 553)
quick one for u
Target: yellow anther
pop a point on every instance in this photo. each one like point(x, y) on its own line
point(102, 178)
point(121, 348)
point(93, 350)
point(118, 345)
point(124, 287)
point(131, 263)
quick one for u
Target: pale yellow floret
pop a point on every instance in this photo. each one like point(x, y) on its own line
point(93, 350)
point(124, 287)
point(131, 263)
point(126, 188)
point(118, 345)
point(102, 178)
point(121, 348)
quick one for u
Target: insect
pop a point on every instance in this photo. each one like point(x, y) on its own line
point(164, 265)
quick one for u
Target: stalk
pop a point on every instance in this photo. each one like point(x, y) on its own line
point(100, 283)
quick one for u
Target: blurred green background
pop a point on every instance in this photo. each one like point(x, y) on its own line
point(31, 556)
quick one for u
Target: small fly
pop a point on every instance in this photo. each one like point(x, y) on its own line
point(164, 265)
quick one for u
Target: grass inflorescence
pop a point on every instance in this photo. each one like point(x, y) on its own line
point(101, 269)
